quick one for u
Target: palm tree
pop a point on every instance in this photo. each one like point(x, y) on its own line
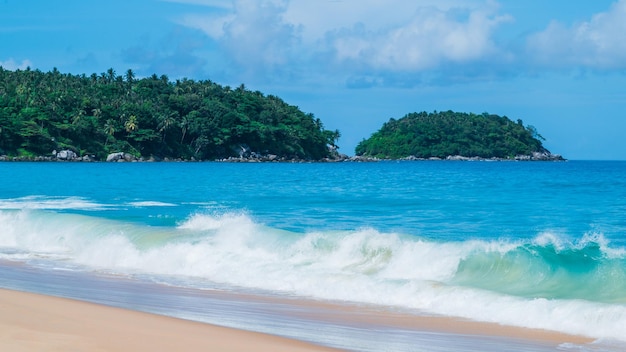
point(166, 122)
point(184, 125)
point(109, 130)
point(130, 76)
point(96, 113)
point(130, 79)
point(110, 75)
point(131, 124)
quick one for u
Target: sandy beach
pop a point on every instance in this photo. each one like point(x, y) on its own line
point(32, 322)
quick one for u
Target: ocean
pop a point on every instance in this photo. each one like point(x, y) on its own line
point(529, 244)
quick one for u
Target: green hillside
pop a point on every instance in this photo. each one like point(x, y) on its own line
point(444, 134)
point(150, 117)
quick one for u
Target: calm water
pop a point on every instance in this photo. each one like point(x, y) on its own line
point(539, 245)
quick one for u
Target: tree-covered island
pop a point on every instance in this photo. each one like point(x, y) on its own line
point(91, 117)
point(455, 135)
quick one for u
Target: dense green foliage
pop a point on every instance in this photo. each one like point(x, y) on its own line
point(441, 134)
point(99, 114)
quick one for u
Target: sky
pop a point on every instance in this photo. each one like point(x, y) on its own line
point(558, 65)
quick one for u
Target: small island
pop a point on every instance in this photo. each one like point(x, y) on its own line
point(455, 136)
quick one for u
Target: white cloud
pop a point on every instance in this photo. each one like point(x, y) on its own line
point(596, 43)
point(254, 33)
point(12, 65)
point(212, 25)
point(259, 34)
point(318, 18)
point(390, 41)
point(430, 38)
point(271, 37)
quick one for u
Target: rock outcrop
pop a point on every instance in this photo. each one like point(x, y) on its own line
point(65, 155)
point(120, 157)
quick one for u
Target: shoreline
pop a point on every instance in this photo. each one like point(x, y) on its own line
point(233, 160)
point(382, 317)
point(36, 322)
point(71, 156)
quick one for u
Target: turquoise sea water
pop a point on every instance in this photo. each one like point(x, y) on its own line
point(539, 245)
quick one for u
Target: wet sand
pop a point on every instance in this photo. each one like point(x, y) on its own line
point(32, 322)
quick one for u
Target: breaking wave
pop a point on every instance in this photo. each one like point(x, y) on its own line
point(547, 282)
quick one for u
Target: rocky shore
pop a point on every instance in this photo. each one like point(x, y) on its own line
point(70, 156)
point(536, 156)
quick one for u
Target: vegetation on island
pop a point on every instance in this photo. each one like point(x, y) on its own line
point(150, 117)
point(153, 117)
point(445, 134)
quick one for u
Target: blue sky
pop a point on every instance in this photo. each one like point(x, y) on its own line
point(557, 65)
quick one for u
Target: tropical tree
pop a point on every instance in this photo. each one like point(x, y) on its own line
point(131, 124)
point(130, 76)
point(110, 75)
point(42, 111)
point(109, 130)
point(165, 123)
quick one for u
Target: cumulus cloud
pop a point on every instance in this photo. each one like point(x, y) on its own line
point(255, 34)
point(597, 43)
point(432, 37)
point(318, 18)
point(270, 37)
point(258, 32)
point(11, 64)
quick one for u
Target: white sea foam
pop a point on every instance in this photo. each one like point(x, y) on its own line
point(360, 266)
point(202, 222)
point(145, 204)
point(550, 238)
point(50, 203)
point(561, 242)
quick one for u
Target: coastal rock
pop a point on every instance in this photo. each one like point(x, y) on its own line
point(129, 157)
point(88, 158)
point(120, 157)
point(361, 158)
point(115, 156)
point(547, 156)
point(412, 158)
point(457, 158)
point(66, 155)
point(540, 156)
